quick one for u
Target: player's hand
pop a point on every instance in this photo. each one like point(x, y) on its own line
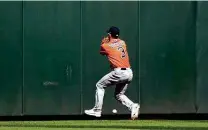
point(105, 40)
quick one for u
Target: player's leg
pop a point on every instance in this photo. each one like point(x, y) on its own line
point(107, 80)
point(126, 78)
point(120, 90)
point(122, 98)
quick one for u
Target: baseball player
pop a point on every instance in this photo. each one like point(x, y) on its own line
point(121, 75)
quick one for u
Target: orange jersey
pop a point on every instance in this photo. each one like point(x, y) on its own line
point(117, 54)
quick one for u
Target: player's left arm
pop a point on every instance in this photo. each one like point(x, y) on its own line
point(104, 41)
point(103, 50)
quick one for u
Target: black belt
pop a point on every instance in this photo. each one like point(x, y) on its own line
point(123, 68)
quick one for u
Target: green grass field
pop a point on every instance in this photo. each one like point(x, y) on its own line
point(103, 125)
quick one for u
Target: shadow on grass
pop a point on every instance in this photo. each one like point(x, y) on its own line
point(107, 126)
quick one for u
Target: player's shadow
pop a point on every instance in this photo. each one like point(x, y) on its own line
point(101, 126)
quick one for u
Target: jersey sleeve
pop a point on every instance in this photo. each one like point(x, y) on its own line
point(103, 50)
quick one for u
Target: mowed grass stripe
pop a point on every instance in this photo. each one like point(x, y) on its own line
point(119, 124)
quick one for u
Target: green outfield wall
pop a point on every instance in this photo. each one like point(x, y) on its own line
point(50, 59)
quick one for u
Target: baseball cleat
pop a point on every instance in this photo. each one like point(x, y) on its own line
point(93, 112)
point(135, 111)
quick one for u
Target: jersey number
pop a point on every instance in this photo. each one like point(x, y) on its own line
point(122, 52)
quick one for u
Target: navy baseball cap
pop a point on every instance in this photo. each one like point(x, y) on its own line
point(114, 31)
